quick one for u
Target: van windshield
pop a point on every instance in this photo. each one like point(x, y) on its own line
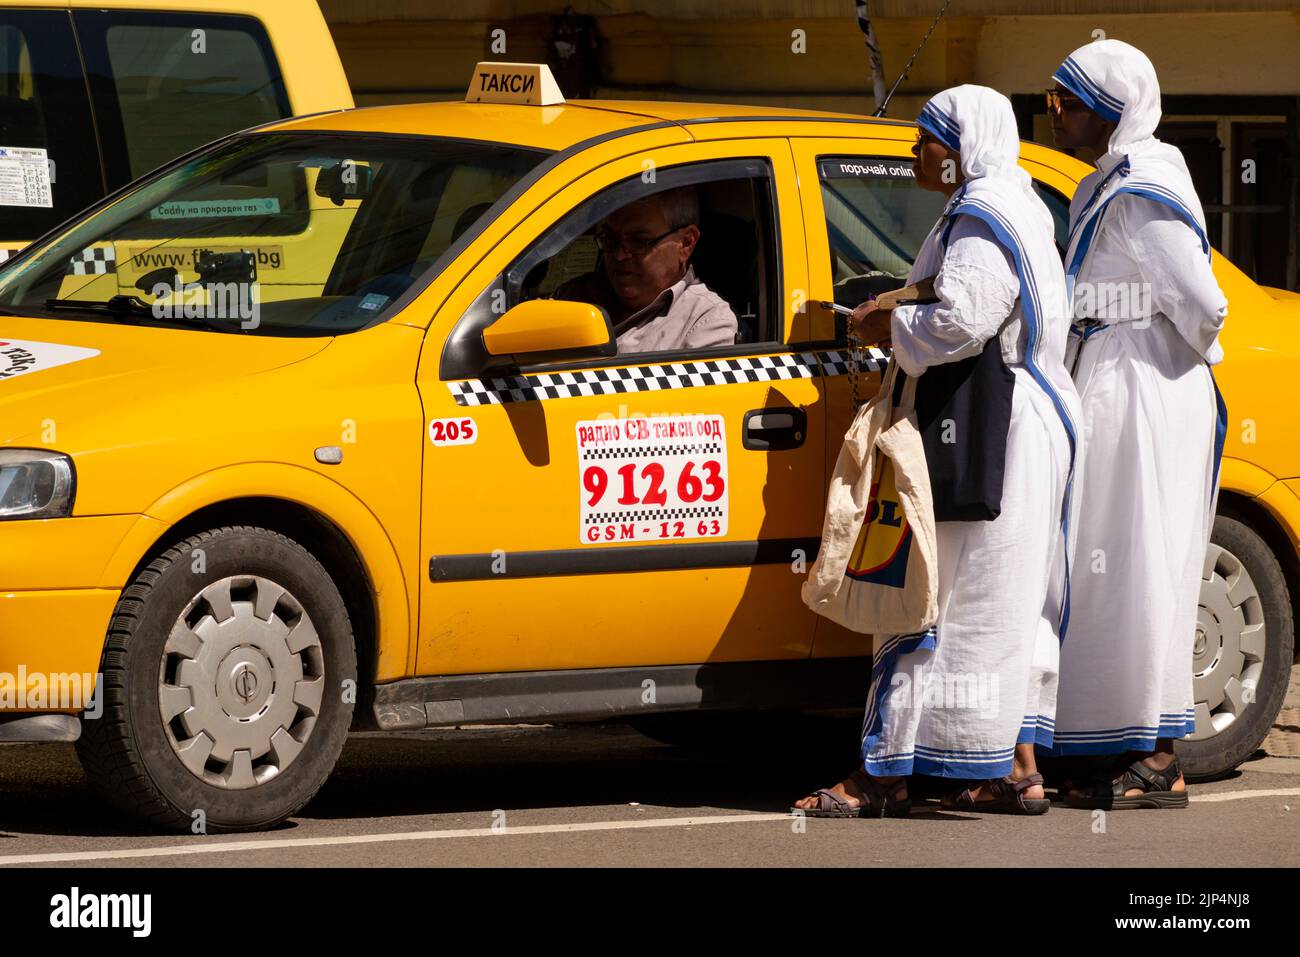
point(271, 234)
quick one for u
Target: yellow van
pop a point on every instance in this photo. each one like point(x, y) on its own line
point(95, 93)
point(412, 488)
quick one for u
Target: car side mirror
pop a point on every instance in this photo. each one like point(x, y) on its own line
point(550, 330)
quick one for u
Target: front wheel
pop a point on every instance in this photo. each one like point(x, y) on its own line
point(1244, 646)
point(227, 680)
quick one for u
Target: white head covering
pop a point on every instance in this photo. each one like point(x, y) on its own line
point(1118, 83)
point(980, 125)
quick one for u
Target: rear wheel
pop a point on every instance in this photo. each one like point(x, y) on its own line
point(223, 685)
point(1244, 647)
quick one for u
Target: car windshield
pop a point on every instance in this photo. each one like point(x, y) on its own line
point(271, 234)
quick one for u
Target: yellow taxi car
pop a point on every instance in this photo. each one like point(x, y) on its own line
point(412, 488)
point(95, 93)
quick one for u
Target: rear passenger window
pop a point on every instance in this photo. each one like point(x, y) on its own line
point(43, 106)
point(165, 83)
point(876, 221)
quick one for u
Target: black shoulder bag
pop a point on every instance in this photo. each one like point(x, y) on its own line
point(963, 410)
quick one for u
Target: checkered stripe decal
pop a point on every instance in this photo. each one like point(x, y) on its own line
point(869, 360)
point(673, 375)
point(8, 251)
point(93, 261)
point(654, 378)
point(699, 448)
point(699, 511)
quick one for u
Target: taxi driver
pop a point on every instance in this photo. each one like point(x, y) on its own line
point(645, 280)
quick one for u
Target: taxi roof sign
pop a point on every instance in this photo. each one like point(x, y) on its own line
point(528, 84)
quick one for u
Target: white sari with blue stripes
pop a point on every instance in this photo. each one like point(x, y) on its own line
point(1149, 313)
point(956, 700)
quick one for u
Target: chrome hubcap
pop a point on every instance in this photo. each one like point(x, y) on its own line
point(241, 681)
point(1228, 653)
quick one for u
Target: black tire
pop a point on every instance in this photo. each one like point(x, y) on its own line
point(1213, 757)
point(127, 754)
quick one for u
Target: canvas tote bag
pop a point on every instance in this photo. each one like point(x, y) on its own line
point(877, 570)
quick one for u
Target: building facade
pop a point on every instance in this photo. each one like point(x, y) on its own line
point(1229, 71)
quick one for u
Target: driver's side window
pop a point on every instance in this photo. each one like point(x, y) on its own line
point(705, 231)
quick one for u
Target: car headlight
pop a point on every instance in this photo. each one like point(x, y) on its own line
point(35, 484)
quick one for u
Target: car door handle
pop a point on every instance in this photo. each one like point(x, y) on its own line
point(773, 430)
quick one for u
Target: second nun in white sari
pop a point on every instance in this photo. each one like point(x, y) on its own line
point(1149, 312)
point(971, 696)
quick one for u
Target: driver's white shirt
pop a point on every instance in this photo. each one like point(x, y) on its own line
point(686, 315)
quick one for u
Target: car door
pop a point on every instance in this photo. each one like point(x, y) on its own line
point(866, 219)
point(637, 510)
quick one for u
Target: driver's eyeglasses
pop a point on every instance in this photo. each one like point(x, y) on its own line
point(607, 241)
point(1058, 101)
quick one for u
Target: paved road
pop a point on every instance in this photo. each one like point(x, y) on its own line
point(605, 795)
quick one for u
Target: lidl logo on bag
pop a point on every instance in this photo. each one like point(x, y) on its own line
point(880, 553)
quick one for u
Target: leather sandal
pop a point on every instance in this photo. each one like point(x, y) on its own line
point(878, 800)
point(1157, 789)
point(1008, 797)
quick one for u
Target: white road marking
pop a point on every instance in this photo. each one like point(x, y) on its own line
point(1238, 795)
point(227, 847)
point(267, 844)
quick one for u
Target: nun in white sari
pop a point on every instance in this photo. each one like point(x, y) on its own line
point(970, 697)
point(1148, 314)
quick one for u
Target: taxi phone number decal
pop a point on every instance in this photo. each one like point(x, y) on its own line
point(652, 479)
